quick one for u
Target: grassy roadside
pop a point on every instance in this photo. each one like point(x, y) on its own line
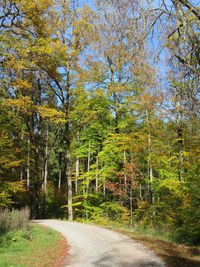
point(174, 255)
point(36, 246)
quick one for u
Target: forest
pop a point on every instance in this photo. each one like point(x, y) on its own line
point(99, 112)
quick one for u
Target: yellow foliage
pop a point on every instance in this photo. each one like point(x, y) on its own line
point(22, 104)
point(17, 187)
point(22, 84)
point(5, 200)
point(52, 114)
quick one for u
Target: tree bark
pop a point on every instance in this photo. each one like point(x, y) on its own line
point(68, 153)
point(28, 165)
point(97, 174)
point(77, 175)
point(150, 168)
point(104, 186)
point(88, 169)
point(131, 191)
point(59, 179)
point(46, 163)
point(60, 171)
point(37, 201)
point(21, 166)
point(37, 186)
point(77, 168)
point(180, 138)
point(125, 174)
point(180, 147)
point(131, 202)
point(21, 173)
point(69, 184)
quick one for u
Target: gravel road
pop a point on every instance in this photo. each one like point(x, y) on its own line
point(92, 246)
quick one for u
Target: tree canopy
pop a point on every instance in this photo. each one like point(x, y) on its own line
point(100, 111)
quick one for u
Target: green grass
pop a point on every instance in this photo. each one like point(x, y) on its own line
point(33, 246)
point(173, 254)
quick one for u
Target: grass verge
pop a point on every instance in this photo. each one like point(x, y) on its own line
point(35, 246)
point(174, 255)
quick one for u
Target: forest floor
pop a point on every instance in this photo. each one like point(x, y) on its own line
point(173, 254)
point(36, 246)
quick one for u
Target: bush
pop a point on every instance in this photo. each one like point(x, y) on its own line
point(4, 220)
point(115, 212)
point(105, 212)
point(17, 219)
point(53, 203)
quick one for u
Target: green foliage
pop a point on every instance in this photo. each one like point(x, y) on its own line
point(94, 208)
point(5, 200)
point(53, 203)
point(83, 116)
point(115, 212)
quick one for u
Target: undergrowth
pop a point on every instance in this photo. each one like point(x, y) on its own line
point(13, 220)
point(33, 246)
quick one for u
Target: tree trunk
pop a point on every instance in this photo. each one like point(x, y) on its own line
point(31, 196)
point(97, 173)
point(180, 147)
point(104, 186)
point(150, 160)
point(150, 168)
point(46, 164)
point(69, 184)
point(59, 179)
point(116, 108)
point(68, 153)
point(21, 173)
point(131, 191)
point(45, 173)
point(131, 201)
point(77, 168)
point(180, 137)
point(77, 175)
point(88, 169)
point(37, 186)
point(125, 175)
point(21, 166)
point(28, 165)
point(37, 200)
point(60, 171)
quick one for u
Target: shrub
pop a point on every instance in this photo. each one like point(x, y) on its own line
point(105, 212)
point(54, 201)
point(4, 220)
point(115, 212)
point(17, 219)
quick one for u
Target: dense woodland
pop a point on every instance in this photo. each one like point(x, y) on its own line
point(100, 111)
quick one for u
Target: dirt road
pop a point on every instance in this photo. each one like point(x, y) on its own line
point(92, 246)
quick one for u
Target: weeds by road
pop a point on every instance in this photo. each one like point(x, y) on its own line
point(174, 255)
point(34, 246)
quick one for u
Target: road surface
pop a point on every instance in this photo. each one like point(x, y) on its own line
point(92, 246)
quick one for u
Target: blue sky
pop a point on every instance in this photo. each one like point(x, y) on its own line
point(161, 64)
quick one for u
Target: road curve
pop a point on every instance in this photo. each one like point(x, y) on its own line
point(92, 246)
